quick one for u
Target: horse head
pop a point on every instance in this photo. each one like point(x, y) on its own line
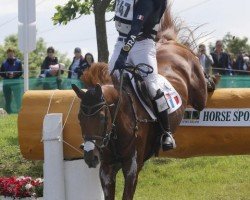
point(95, 121)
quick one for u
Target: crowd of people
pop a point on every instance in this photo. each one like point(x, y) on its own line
point(216, 62)
point(52, 68)
point(221, 62)
point(12, 70)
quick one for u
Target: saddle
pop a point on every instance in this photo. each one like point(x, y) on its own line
point(141, 88)
point(134, 77)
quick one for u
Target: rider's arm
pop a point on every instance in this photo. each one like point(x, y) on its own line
point(143, 10)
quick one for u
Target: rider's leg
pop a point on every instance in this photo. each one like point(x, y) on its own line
point(145, 52)
point(167, 140)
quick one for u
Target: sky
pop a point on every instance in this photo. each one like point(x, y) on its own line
point(217, 17)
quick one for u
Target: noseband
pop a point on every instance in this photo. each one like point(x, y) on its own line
point(106, 135)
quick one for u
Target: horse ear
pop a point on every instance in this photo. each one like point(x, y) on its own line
point(78, 91)
point(98, 89)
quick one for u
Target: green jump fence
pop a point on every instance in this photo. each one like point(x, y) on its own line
point(12, 89)
point(16, 87)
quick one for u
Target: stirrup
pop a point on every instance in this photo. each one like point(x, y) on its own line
point(167, 141)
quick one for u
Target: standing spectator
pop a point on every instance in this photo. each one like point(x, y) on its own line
point(77, 66)
point(205, 60)
point(11, 71)
point(246, 62)
point(51, 68)
point(240, 63)
point(221, 60)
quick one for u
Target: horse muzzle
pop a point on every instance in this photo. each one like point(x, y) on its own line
point(91, 159)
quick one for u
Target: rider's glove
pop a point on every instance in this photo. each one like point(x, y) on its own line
point(121, 60)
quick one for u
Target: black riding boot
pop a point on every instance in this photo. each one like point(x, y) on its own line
point(167, 141)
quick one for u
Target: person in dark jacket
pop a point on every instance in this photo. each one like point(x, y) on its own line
point(77, 66)
point(51, 68)
point(137, 23)
point(221, 60)
point(49, 60)
point(240, 64)
point(11, 70)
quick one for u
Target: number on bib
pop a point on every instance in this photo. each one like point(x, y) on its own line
point(123, 8)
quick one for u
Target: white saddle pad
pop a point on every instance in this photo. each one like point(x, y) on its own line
point(172, 96)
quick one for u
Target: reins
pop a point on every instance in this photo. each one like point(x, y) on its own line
point(119, 100)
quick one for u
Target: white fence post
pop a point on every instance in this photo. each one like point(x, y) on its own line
point(65, 180)
point(81, 182)
point(54, 185)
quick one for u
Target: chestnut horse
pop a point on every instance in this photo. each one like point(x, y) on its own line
point(117, 130)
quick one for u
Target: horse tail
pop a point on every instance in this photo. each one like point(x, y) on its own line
point(168, 29)
point(96, 73)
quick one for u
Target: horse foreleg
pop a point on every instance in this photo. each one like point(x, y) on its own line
point(108, 180)
point(130, 170)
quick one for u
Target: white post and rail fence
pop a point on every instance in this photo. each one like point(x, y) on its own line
point(65, 180)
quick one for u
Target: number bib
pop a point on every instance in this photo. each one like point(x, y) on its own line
point(123, 15)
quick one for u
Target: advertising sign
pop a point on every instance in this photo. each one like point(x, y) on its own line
point(217, 117)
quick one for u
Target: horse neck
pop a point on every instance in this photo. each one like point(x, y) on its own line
point(125, 122)
point(110, 94)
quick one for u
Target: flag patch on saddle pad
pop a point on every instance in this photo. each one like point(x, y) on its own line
point(173, 100)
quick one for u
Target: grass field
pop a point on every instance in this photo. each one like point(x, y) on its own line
point(203, 178)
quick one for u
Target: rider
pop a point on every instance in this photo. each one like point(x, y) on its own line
point(137, 22)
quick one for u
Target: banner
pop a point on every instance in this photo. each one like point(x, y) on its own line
point(230, 117)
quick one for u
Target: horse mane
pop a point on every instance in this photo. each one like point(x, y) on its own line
point(96, 73)
point(174, 29)
point(168, 29)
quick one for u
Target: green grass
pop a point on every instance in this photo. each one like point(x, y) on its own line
point(203, 178)
point(11, 161)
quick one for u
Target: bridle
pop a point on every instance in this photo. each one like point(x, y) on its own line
point(107, 132)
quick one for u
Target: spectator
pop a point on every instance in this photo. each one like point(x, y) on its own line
point(51, 68)
point(246, 63)
point(239, 64)
point(89, 60)
point(48, 61)
point(11, 71)
point(221, 60)
point(77, 66)
point(205, 60)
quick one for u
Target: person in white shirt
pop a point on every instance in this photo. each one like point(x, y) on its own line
point(77, 66)
point(205, 59)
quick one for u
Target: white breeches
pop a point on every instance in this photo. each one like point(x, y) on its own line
point(142, 52)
